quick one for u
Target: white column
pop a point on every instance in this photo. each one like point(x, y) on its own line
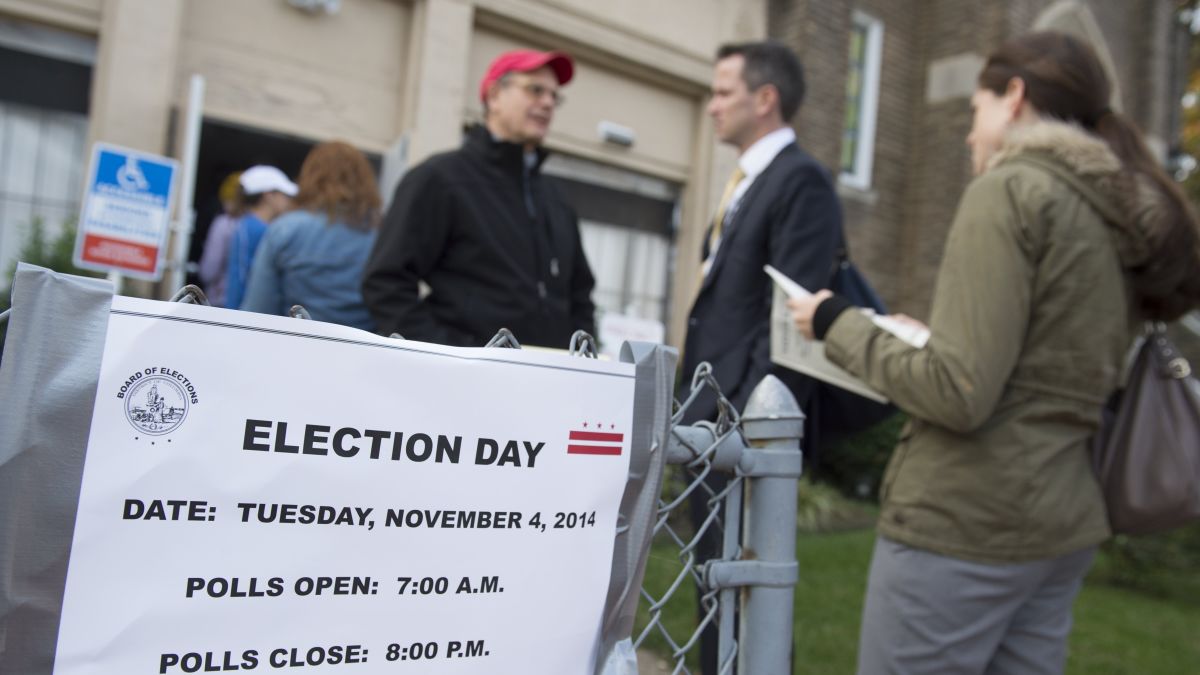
point(134, 80)
point(433, 114)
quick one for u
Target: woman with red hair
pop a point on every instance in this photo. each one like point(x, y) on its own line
point(314, 256)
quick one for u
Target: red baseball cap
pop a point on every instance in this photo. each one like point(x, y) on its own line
point(525, 60)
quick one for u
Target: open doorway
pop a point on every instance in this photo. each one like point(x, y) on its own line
point(226, 147)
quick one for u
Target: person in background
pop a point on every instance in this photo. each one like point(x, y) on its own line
point(314, 256)
point(780, 208)
point(265, 194)
point(495, 241)
point(216, 245)
point(1068, 238)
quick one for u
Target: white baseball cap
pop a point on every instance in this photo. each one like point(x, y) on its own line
point(262, 178)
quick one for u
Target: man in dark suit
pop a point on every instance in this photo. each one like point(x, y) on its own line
point(779, 207)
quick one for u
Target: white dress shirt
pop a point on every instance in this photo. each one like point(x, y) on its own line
point(753, 162)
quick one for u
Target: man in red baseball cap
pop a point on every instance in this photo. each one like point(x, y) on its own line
point(493, 239)
point(520, 92)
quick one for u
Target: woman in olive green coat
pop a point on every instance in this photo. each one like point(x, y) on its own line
point(1069, 238)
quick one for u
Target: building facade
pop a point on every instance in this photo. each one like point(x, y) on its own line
point(398, 79)
point(887, 109)
point(889, 105)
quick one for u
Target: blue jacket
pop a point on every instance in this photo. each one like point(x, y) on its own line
point(242, 247)
point(305, 260)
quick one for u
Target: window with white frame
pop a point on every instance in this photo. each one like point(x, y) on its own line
point(862, 100)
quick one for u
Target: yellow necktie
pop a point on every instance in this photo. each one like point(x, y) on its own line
point(714, 237)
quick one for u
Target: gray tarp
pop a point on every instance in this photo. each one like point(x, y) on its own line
point(47, 390)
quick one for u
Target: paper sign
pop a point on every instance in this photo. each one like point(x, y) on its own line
point(616, 329)
point(264, 494)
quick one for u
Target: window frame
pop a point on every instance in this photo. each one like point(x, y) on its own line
point(861, 177)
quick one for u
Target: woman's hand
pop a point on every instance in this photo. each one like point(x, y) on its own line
point(803, 310)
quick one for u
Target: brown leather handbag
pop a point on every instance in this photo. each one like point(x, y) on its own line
point(1147, 453)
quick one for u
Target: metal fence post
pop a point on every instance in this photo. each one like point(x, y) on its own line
point(773, 425)
point(760, 449)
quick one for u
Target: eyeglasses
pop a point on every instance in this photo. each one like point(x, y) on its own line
point(536, 91)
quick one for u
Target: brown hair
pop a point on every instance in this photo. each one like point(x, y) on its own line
point(1064, 79)
point(774, 63)
point(336, 179)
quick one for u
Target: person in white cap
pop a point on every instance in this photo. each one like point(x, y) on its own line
point(266, 193)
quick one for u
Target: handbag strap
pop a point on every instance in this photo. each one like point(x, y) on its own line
point(1168, 361)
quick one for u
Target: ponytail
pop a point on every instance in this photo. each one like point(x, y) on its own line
point(1065, 80)
point(1167, 284)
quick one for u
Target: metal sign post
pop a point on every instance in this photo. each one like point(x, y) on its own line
point(185, 219)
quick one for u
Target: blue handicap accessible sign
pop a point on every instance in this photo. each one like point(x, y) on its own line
point(126, 212)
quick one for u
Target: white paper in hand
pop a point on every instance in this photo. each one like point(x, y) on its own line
point(793, 289)
point(913, 335)
point(792, 350)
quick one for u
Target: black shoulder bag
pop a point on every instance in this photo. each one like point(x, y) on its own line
point(835, 412)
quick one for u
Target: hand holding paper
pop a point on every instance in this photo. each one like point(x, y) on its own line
point(912, 332)
point(791, 349)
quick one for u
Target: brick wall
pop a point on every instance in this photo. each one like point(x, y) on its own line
point(817, 30)
point(875, 219)
point(897, 229)
point(940, 168)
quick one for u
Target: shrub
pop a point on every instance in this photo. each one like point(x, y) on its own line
point(855, 464)
point(821, 507)
point(1162, 564)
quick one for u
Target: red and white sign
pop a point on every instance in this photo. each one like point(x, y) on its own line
point(595, 441)
point(126, 212)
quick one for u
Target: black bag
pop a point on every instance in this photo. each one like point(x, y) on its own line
point(1147, 453)
point(834, 412)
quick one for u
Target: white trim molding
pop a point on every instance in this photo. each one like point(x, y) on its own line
point(864, 155)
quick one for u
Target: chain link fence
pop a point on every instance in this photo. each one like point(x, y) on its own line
point(730, 568)
point(741, 470)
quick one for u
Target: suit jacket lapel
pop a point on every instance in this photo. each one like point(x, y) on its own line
point(736, 220)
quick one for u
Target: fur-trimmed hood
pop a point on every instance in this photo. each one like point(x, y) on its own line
point(1131, 204)
point(1070, 144)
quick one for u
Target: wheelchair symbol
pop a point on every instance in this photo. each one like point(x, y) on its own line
point(130, 176)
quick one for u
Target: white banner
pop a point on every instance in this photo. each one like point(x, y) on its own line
point(263, 493)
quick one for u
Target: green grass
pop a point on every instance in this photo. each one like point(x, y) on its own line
point(1117, 631)
point(679, 613)
point(1123, 632)
point(829, 597)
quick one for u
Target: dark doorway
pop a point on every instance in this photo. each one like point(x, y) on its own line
point(226, 147)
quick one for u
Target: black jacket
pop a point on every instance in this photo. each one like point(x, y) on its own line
point(459, 222)
point(790, 217)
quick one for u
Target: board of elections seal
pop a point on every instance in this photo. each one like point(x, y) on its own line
point(157, 400)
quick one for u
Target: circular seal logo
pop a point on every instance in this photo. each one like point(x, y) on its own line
point(156, 405)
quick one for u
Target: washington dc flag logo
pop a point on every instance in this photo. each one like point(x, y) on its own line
point(594, 441)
